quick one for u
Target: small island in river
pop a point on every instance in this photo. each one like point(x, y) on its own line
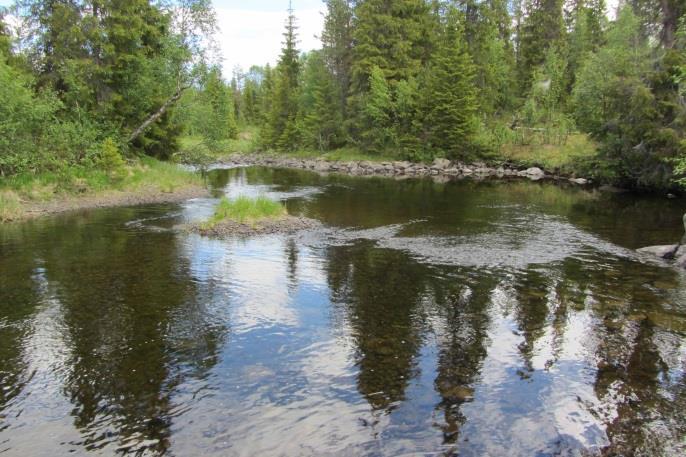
point(245, 216)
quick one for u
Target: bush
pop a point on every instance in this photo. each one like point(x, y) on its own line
point(111, 160)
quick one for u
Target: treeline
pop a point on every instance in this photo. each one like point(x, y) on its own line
point(84, 83)
point(418, 79)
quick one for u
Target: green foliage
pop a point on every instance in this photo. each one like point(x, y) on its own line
point(377, 110)
point(32, 136)
point(631, 108)
point(487, 32)
point(337, 46)
point(451, 96)
point(246, 210)
point(541, 28)
point(10, 206)
point(24, 119)
point(320, 116)
point(280, 129)
point(111, 160)
point(394, 37)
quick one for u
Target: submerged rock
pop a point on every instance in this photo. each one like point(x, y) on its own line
point(676, 252)
point(229, 228)
point(664, 251)
point(580, 181)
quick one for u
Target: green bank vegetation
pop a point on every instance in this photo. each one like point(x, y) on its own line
point(246, 210)
point(560, 84)
point(89, 91)
point(145, 176)
point(87, 95)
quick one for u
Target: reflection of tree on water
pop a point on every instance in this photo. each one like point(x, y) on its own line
point(19, 298)
point(531, 312)
point(381, 291)
point(126, 322)
point(636, 361)
point(291, 255)
point(465, 311)
point(642, 408)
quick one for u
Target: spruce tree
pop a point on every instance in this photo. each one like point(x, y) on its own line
point(377, 114)
point(541, 28)
point(487, 33)
point(451, 99)
point(219, 122)
point(321, 118)
point(392, 36)
point(281, 130)
point(337, 46)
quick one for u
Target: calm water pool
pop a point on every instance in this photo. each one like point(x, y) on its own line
point(461, 318)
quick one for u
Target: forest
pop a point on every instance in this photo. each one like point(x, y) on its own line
point(88, 84)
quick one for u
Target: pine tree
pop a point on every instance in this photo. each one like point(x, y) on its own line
point(451, 102)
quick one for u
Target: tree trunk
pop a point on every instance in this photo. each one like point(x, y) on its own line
point(669, 23)
point(157, 114)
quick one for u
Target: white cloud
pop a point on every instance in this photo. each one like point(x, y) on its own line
point(252, 37)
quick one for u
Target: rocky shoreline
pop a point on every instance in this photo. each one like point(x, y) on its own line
point(229, 228)
point(439, 167)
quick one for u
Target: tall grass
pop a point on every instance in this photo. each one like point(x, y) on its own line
point(10, 206)
point(144, 173)
point(246, 210)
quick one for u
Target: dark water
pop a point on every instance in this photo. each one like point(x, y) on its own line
point(457, 318)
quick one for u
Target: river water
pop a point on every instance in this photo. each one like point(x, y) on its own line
point(426, 318)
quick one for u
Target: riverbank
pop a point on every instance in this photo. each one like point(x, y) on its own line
point(439, 167)
point(144, 181)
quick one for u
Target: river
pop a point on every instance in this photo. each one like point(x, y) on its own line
point(426, 318)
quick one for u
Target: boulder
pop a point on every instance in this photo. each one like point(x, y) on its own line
point(402, 165)
point(440, 164)
point(534, 171)
point(580, 181)
point(320, 165)
point(663, 251)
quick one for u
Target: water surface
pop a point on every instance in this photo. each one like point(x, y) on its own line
point(459, 318)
